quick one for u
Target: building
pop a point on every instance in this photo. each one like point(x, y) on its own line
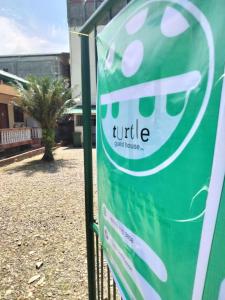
point(54, 65)
point(16, 127)
point(78, 11)
point(76, 114)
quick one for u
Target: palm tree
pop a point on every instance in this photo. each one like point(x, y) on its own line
point(45, 100)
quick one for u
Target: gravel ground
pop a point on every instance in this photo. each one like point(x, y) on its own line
point(42, 230)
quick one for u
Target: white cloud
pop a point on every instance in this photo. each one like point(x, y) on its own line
point(56, 31)
point(16, 39)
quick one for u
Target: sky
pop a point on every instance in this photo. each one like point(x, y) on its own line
point(33, 26)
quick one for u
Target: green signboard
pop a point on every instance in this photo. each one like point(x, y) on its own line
point(161, 149)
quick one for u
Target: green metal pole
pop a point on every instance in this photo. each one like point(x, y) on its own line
point(86, 102)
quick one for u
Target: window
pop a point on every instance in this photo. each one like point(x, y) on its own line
point(93, 120)
point(18, 114)
point(79, 120)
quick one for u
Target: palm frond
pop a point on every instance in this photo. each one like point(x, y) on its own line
point(44, 99)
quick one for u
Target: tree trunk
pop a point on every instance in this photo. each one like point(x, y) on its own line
point(48, 141)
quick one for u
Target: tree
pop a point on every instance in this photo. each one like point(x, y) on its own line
point(45, 100)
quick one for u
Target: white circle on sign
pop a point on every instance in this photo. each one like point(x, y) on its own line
point(110, 57)
point(132, 58)
point(136, 22)
point(173, 23)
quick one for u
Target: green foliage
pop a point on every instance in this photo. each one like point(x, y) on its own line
point(45, 100)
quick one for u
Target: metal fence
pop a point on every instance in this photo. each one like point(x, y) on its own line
point(100, 281)
point(104, 283)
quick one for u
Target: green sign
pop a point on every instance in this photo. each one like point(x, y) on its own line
point(161, 149)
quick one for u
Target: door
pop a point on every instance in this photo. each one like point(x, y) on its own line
point(4, 117)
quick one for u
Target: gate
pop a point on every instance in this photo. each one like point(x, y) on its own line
point(100, 281)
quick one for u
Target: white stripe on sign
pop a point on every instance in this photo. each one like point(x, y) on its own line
point(160, 87)
point(143, 286)
point(113, 264)
point(222, 291)
point(212, 203)
point(138, 245)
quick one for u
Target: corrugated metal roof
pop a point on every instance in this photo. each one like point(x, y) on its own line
point(6, 76)
point(77, 111)
point(35, 54)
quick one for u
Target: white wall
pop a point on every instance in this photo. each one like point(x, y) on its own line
point(75, 64)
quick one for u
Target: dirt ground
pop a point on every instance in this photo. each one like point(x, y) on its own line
point(42, 230)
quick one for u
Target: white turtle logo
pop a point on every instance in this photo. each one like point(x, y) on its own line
point(135, 137)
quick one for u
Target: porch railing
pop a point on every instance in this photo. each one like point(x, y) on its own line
point(12, 137)
point(36, 133)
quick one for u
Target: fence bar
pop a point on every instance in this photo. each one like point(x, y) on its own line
point(95, 37)
point(108, 279)
point(93, 245)
point(97, 266)
point(86, 101)
point(102, 275)
point(114, 290)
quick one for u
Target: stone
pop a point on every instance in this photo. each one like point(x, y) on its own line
point(41, 281)
point(49, 294)
point(34, 278)
point(39, 264)
point(8, 292)
point(30, 294)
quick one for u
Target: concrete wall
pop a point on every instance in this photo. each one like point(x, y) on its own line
point(54, 66)
point(75, 63)
point(78, 11)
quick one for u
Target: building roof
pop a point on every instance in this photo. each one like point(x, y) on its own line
point(78, 111)
point(8, 77)
point(37, 54)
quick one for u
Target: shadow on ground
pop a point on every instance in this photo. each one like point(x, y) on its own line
point(34, 166)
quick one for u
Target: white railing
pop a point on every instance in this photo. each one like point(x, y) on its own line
point(14, 135)
point(36, 133)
